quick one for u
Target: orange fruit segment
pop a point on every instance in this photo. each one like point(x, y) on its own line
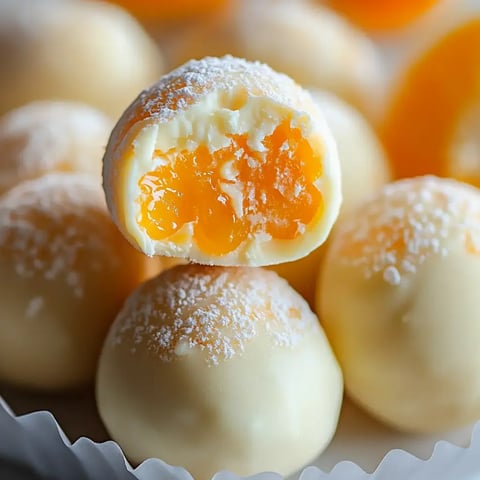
point(223, 161)
point(432, 121)
point(382, 14)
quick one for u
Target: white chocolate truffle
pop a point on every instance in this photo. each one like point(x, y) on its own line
point(65, 271)
point(364, 169)
point(224, 162)
point(306, 41)
point(363, 163)
point(91, 52)
point(399, 303)
point(219, 368)
point(46, 136)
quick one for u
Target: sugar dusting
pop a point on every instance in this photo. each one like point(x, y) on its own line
point(56, 228)
point(408, 222)
point(196, 79)
point(34, 306)
point(44, 136)
point(218, 310)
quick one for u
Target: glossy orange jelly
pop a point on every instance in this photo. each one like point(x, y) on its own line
point(234, 192)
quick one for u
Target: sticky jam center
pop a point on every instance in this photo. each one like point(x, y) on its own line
point(235, 193)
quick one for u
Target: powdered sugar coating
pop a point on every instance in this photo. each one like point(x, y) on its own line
point(187, 84)
point(216, 309)
point(408, 222)
point(190, 83)
point(49, 136)
point(56, 228)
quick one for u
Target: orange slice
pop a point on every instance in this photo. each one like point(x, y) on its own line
point(432, 122)
point(225, 162)
point(382, 14)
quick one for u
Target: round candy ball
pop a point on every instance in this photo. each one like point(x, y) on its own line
point(398, 299)
point(91, 52)
point(219, 368)
point(45, 136)
point(65, 271)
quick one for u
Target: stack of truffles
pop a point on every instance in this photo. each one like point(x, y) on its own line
point(242, 194)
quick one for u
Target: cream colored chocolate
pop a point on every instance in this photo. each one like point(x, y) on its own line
point(230, 110)
point(49, 136)
point(363, 163)
point(364, 169)
point(91, 52)
point(64, 273)
point(302, 39)
point(399, 303)
point(219, 368)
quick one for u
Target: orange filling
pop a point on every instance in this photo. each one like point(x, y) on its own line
point(382, 14)
point(435, 94)
point(234, 193)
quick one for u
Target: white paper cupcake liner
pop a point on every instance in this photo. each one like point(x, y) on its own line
point(34, 446)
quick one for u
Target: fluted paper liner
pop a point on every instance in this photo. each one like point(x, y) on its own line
point(34, 445)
